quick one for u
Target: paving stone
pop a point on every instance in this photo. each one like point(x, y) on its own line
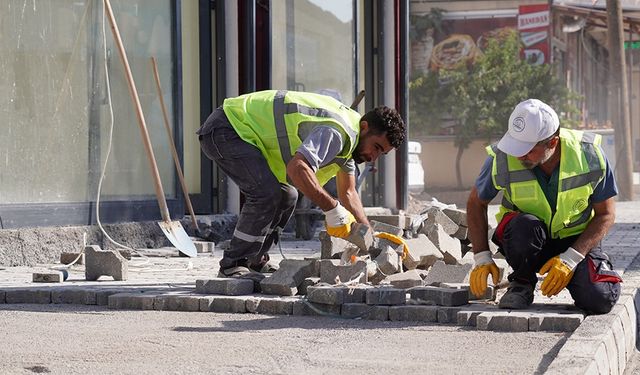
point(449, 247)
point(303, 307)
point(405, 280)
point(16, 296)
point(331, 271)
point(489, 294)
point(595, 350)
point(132, 301)
point(306, 283)
point(331, 247)
point(441, 272)
point(224, 304)
point(356, 294)
point(48, 277)
point(448, 314)
point(364, 311)
point(577, 365)
point(507, 321)
point(226, 286)
point(386, 296)
point(271, 305)
point(104, 263)
point(456, 215)
point(361, 235)
point(3, 296)
point(440, 296)
point(397, 221)
point(102, 296)
point(413, 313)
point(325, 294)
point(555, 322)
point(285, 281)
point(74, 296)
point(379, 226)
point(68, 258)
point(468, 315)
point(422, 253)
point(462, 234)
point(176, 302)
point(388, 261)
point(437, 217)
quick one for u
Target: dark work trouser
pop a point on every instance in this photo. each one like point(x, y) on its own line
point(268, 204)
point(527, 247)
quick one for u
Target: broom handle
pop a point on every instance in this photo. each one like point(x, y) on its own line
point(143, 126)
point(174, 153)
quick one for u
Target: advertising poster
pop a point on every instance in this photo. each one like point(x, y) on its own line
point(533, 25)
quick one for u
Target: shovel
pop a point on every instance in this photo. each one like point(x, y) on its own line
point(173, 230)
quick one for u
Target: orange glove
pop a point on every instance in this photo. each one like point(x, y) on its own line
point(560, 269)
point(483, 267)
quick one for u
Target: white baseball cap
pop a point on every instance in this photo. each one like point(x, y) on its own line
point(530, 122)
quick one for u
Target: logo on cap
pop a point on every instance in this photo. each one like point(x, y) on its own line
point(518, 124)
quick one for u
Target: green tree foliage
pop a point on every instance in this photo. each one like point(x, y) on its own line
point(477, 98)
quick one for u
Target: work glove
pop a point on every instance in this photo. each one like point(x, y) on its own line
point(338, 221)
point(560, 269)
point(396, 240)
point(483, 267)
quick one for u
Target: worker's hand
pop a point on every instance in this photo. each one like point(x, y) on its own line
point(483, 267)
point(560, 269)
point(338, 221)
point(396, 240)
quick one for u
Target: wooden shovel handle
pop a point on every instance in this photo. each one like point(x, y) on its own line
point(141, 122)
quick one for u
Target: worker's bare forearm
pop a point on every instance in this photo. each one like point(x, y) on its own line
point(303, 178)
point(478, 222)
point(597, 227)
point(351, 200)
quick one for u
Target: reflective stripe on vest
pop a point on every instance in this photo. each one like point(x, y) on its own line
point(582, 168)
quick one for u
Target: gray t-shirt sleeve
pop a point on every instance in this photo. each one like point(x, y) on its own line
point(321, 147)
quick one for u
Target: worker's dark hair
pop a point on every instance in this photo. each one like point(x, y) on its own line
point(384, 119)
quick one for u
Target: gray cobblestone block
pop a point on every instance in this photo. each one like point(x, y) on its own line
point(176, 302)
point(422, 253)
point(506, 321)
point(361, 235)
point(405, 280)
point(225, 286)
point(468, 317)
point(131, 301)
point(67, 258)
point(271, 305)
point(304, 307)
point(577, 365)
point(364, 311)
point(436, 216)
point(379, 226)
point(17, 296)
point(306, 283)
point(331, 271)
point(326, 294)
point(102, 296)
point(331, 247)
point(440, 296)
point(448, 314)
point(224, 304)
point(74, 296)
point(386, 296)
point(555, 322)
point(3, 296)
point(595, 350)
point(104, 263)
point(450, 247)
point(204, 246)
point(441, 272)
point(413, 313)
point(357, 294)
point(388, 260)
point(489, 294)
point(285, 281)
point(48, 277)
point(457, 216)
point(397, 221)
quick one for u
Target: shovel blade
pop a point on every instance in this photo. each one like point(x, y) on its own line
point(174, 231)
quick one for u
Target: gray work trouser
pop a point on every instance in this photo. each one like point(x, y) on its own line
point(595, 287)
point(268, 204)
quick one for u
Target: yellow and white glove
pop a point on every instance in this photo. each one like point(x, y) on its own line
point(338, 221)
point(483, 267)
point(396, 240)
point(560, 269)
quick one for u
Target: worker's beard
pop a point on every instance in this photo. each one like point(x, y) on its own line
point(357, 153)
point(548, 153)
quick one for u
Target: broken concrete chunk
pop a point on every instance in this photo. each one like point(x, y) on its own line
point(68, 258)
point(422, 253)
point(331, 247)
point(306, 283)
point(48, 277)
point(450, 247)
point(104, 263)
point(456, 215)
point(285, 281)
point(378, 226)
point(446, 273)
point(405, 280)
point(361, 235)
point(436, 216)
point(392, 220)
point(331, 272)
point(388, 261)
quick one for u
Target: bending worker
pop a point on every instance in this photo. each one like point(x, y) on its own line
point(558, 204)
point(273, 143)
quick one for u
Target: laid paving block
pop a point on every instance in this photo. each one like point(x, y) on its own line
point(386, 296)
point(405, 280)
point(327, 294)
point(439, 296)
point(102, 295)
point(448, 314)
point(48, 277)
point(456, 215)
point(413, 313)
point(361, 235)
point(436, 216)
point(441, 272)
point(468, 317)
point(450, 247)
point(3, 295)
point(356, 294)
point(388, 261)
point(68, 258)
point(332, 272)
point(74, 296)
point(204, 246)
point(176, 302)
point(364, 311)
point(132, 301)
point(331, 247)
point(306, 283)
point(422, 253)
point(489, 294)
point(17, 296)
point(285, 281)
point(271, 305)
point(224, 304)
point(225, 286)
point(379, 226)
point(304, 307)
point(104, 263)
point(507, 321)
point(555, 322)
